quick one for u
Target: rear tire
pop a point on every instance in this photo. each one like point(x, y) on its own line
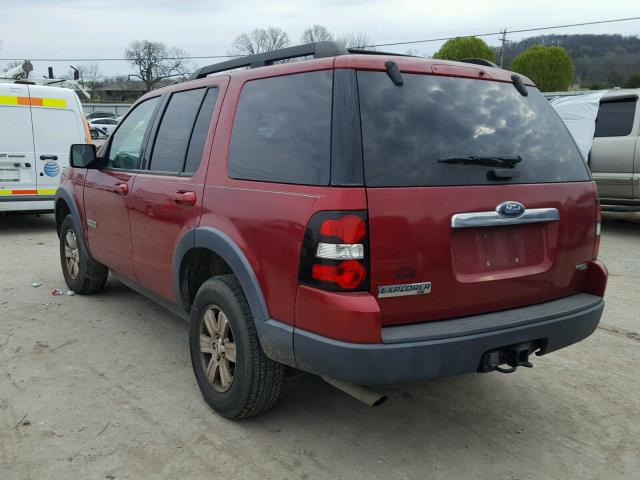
point(234, 375)
point(82, 273)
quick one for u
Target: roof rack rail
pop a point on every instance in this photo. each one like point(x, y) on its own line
point(480, 61)
point(363, 51)
point(317, 50)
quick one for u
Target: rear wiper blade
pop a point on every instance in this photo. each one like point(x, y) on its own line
point(489, 161)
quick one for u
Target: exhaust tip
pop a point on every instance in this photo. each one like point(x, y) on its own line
point(360, 392)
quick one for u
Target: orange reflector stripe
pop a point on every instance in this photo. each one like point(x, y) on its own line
point(40, 191)
point(34, 101)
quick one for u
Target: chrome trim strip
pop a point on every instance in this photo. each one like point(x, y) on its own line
point(494, 219)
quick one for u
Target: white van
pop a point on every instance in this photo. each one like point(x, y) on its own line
point(38, 124)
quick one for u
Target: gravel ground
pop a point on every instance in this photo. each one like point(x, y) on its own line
point(104, 388)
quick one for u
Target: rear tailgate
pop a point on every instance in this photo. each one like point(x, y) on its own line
point(500, 262)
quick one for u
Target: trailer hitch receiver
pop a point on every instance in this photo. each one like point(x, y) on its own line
point(508, 359)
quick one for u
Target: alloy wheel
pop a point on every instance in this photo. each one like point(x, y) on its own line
point(217, 349)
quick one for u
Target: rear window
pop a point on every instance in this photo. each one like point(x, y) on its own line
point(615, 118)
point(175, 131)
point(406, 131)
point(282, 130)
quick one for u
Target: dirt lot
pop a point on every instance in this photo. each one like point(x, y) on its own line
point(106, 385)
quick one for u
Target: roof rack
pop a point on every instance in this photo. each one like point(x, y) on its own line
point(317, 50)
point(363, 51)
point(480, 61)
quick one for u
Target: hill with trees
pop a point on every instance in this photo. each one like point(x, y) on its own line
point(601, 61)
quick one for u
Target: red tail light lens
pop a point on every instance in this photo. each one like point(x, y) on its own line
point(349, 229)
point(348, 275)
point(335, 252)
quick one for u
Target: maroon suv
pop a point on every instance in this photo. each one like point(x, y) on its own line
point(369, 218)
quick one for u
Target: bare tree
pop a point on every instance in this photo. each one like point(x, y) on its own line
point(316, 33)
point(90, 75)
point(260, 40)
point(156, 62)
point(356, 40)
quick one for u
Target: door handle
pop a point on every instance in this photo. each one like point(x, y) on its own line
point(48, 157)
point(121, 188)
point(185, 198)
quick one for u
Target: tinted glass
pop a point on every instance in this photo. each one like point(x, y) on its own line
point(282, 130)
point(615, 118)
point(173, 136)
point(200, 130)
point(407, 129)
point(126, 145)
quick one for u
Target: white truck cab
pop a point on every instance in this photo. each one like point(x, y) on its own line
point(38, 124)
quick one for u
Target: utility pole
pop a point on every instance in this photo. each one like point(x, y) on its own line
point(503, 41)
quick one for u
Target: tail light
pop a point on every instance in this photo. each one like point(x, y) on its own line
point(335, 251)
point(596, 245)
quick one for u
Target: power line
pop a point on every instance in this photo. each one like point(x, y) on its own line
point(522, 30)
point(410, 42)
point(114, 59)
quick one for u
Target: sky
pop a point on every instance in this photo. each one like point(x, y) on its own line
point(74, 29)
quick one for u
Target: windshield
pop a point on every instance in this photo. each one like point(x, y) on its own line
point(407, 131)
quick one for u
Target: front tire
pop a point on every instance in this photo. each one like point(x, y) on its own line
point(82, 273)
point(234, 375)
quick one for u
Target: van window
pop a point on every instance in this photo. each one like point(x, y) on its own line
point(55, 130)
point(16, 136)
point(615, 118)
point(282, 130)
point(200, 131)
point(126, 144)
point(175, 129)
point(416, 135)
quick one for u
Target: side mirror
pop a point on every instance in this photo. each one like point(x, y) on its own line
point(83, 155)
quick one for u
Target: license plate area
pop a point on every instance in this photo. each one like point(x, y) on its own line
point(9, 175)
point(493, 253)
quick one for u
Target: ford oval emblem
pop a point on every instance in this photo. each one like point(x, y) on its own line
point(510, 209)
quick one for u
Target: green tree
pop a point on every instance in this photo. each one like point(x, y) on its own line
point(551, 68)
point(460, 48)
point(633, 81)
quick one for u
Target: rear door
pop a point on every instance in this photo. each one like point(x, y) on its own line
point(614, 147)
point(17, 165)
point(166, 199)
point(56, 126)
point(432, 152)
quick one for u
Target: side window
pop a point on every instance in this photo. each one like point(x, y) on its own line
point(126, 144)
point(200, 130)
point(615, 118)
point(282, 130)
point(174, 133)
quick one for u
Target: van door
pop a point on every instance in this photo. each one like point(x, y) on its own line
point(56, 126)
point(614, 147)
point(17, 165)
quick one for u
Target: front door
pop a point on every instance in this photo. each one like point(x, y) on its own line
point(106, 194)
point(166, 199)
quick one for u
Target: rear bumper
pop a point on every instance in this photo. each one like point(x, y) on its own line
point(449, 347)
point(11, 203)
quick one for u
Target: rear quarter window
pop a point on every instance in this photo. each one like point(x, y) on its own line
point(406, 131)
point(615, 118)
point(282, 130)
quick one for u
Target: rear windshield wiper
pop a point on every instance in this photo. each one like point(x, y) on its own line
point(489, 161)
